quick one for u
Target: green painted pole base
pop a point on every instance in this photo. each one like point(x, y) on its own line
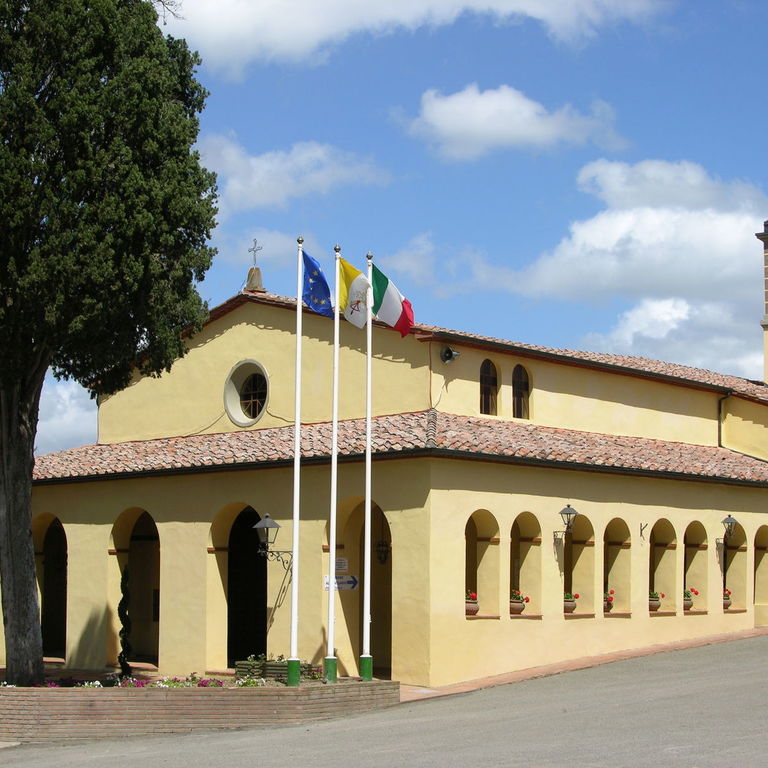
point(294, 672)
point(366, 668)
point(329, 668)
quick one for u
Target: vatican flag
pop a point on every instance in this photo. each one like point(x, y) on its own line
point(353, 294)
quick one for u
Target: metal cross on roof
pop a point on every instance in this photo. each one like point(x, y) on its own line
point(254, 249)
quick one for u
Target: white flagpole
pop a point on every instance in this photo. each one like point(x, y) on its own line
point(330, 656)
point(366, 660)
point(294, 665)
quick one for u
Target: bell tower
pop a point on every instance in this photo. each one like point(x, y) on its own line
point(763, 236)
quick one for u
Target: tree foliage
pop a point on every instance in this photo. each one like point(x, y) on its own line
point(106, 212)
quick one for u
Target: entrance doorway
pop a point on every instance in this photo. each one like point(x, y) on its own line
point(246, 590)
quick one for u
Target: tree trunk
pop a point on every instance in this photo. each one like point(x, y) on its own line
point(19, 403)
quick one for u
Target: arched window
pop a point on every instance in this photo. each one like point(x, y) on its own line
point(489, 388)
point(520, 391)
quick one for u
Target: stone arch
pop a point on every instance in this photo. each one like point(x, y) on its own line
point(481, 564)
point(50, 542)
point(136, 544)
point(695, 570)
point(579, 574)
point(734, 565)
point(760, 585)
point(351, 521)
point(525, 559)
point(617, 564)
point(662, 577)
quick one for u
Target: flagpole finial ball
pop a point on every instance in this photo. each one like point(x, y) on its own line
point(337, 248)
point(369, 256)
point(300, 240)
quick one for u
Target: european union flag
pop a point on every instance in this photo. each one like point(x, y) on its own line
point(316, 295)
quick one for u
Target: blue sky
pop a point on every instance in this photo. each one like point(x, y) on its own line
point(584, 174)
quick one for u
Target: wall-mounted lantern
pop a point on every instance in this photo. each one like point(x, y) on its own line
point(267, 529)
point(567, 514)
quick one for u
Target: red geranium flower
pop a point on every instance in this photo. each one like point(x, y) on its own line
point(527, 599)
point(663, 595)
point(576, 596)
point(609, 599)
point(611, 591)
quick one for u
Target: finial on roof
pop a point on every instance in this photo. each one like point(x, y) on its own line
point(253, 282)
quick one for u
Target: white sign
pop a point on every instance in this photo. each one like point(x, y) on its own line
point(342, 564)
point(347, 581)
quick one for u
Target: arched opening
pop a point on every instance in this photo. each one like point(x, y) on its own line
point(246, 590)
point(617, 574)
point(761, 576)
point(695, 572)
point(381, 592)
point(525, 560)
point(661, 564)
point(735, 567)
point(520, 392)
point(489, 388)
point(52, 581)
point(143, 590)
point(579, 574)
point(481, 573)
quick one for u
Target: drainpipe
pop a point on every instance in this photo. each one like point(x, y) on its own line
point(763, 237)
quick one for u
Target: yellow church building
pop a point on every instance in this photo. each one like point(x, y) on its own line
point(478, 445)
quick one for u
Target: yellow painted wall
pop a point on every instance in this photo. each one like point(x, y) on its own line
point(465, 648)
point(189, 399)
point(585, 399)
point(427, 503)
point(745, 427)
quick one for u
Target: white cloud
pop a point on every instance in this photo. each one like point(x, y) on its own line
point(232, 33)
point(471, 123)
point(67, 417)
point(674, 243)
point(712, 335)
point(273, 178)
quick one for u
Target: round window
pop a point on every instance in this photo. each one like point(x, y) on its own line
point(245, 393)
point(253, 395)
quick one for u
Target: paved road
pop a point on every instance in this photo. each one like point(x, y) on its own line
point(695, 708)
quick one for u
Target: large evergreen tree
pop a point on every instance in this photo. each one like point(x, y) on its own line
point(105, 212)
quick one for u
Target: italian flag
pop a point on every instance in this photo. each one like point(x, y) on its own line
point(353, 294)
point(389, 306)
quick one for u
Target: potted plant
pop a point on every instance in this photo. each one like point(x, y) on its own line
point(569, 601)
point(654, 600)
point(726, 599)
point(517, 601)
point(471, 606)
point(688, 595)
point(608, 597)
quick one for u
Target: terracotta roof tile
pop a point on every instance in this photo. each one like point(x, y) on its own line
point(448, 434)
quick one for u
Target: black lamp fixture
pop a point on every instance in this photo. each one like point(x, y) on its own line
point(729, 523)
point(567, 514)
point(266, 529)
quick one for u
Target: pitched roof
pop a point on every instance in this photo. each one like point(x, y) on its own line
point(622, 364)
point(407, 434)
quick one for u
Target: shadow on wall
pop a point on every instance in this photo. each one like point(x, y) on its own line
point(89, 650)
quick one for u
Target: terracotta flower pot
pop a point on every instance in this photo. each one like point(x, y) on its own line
point(607, 606)
point(471, 607)
point(569, 606)
point(654, 604)
point(726, 603)
point(687, 603)
point(516, 606)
